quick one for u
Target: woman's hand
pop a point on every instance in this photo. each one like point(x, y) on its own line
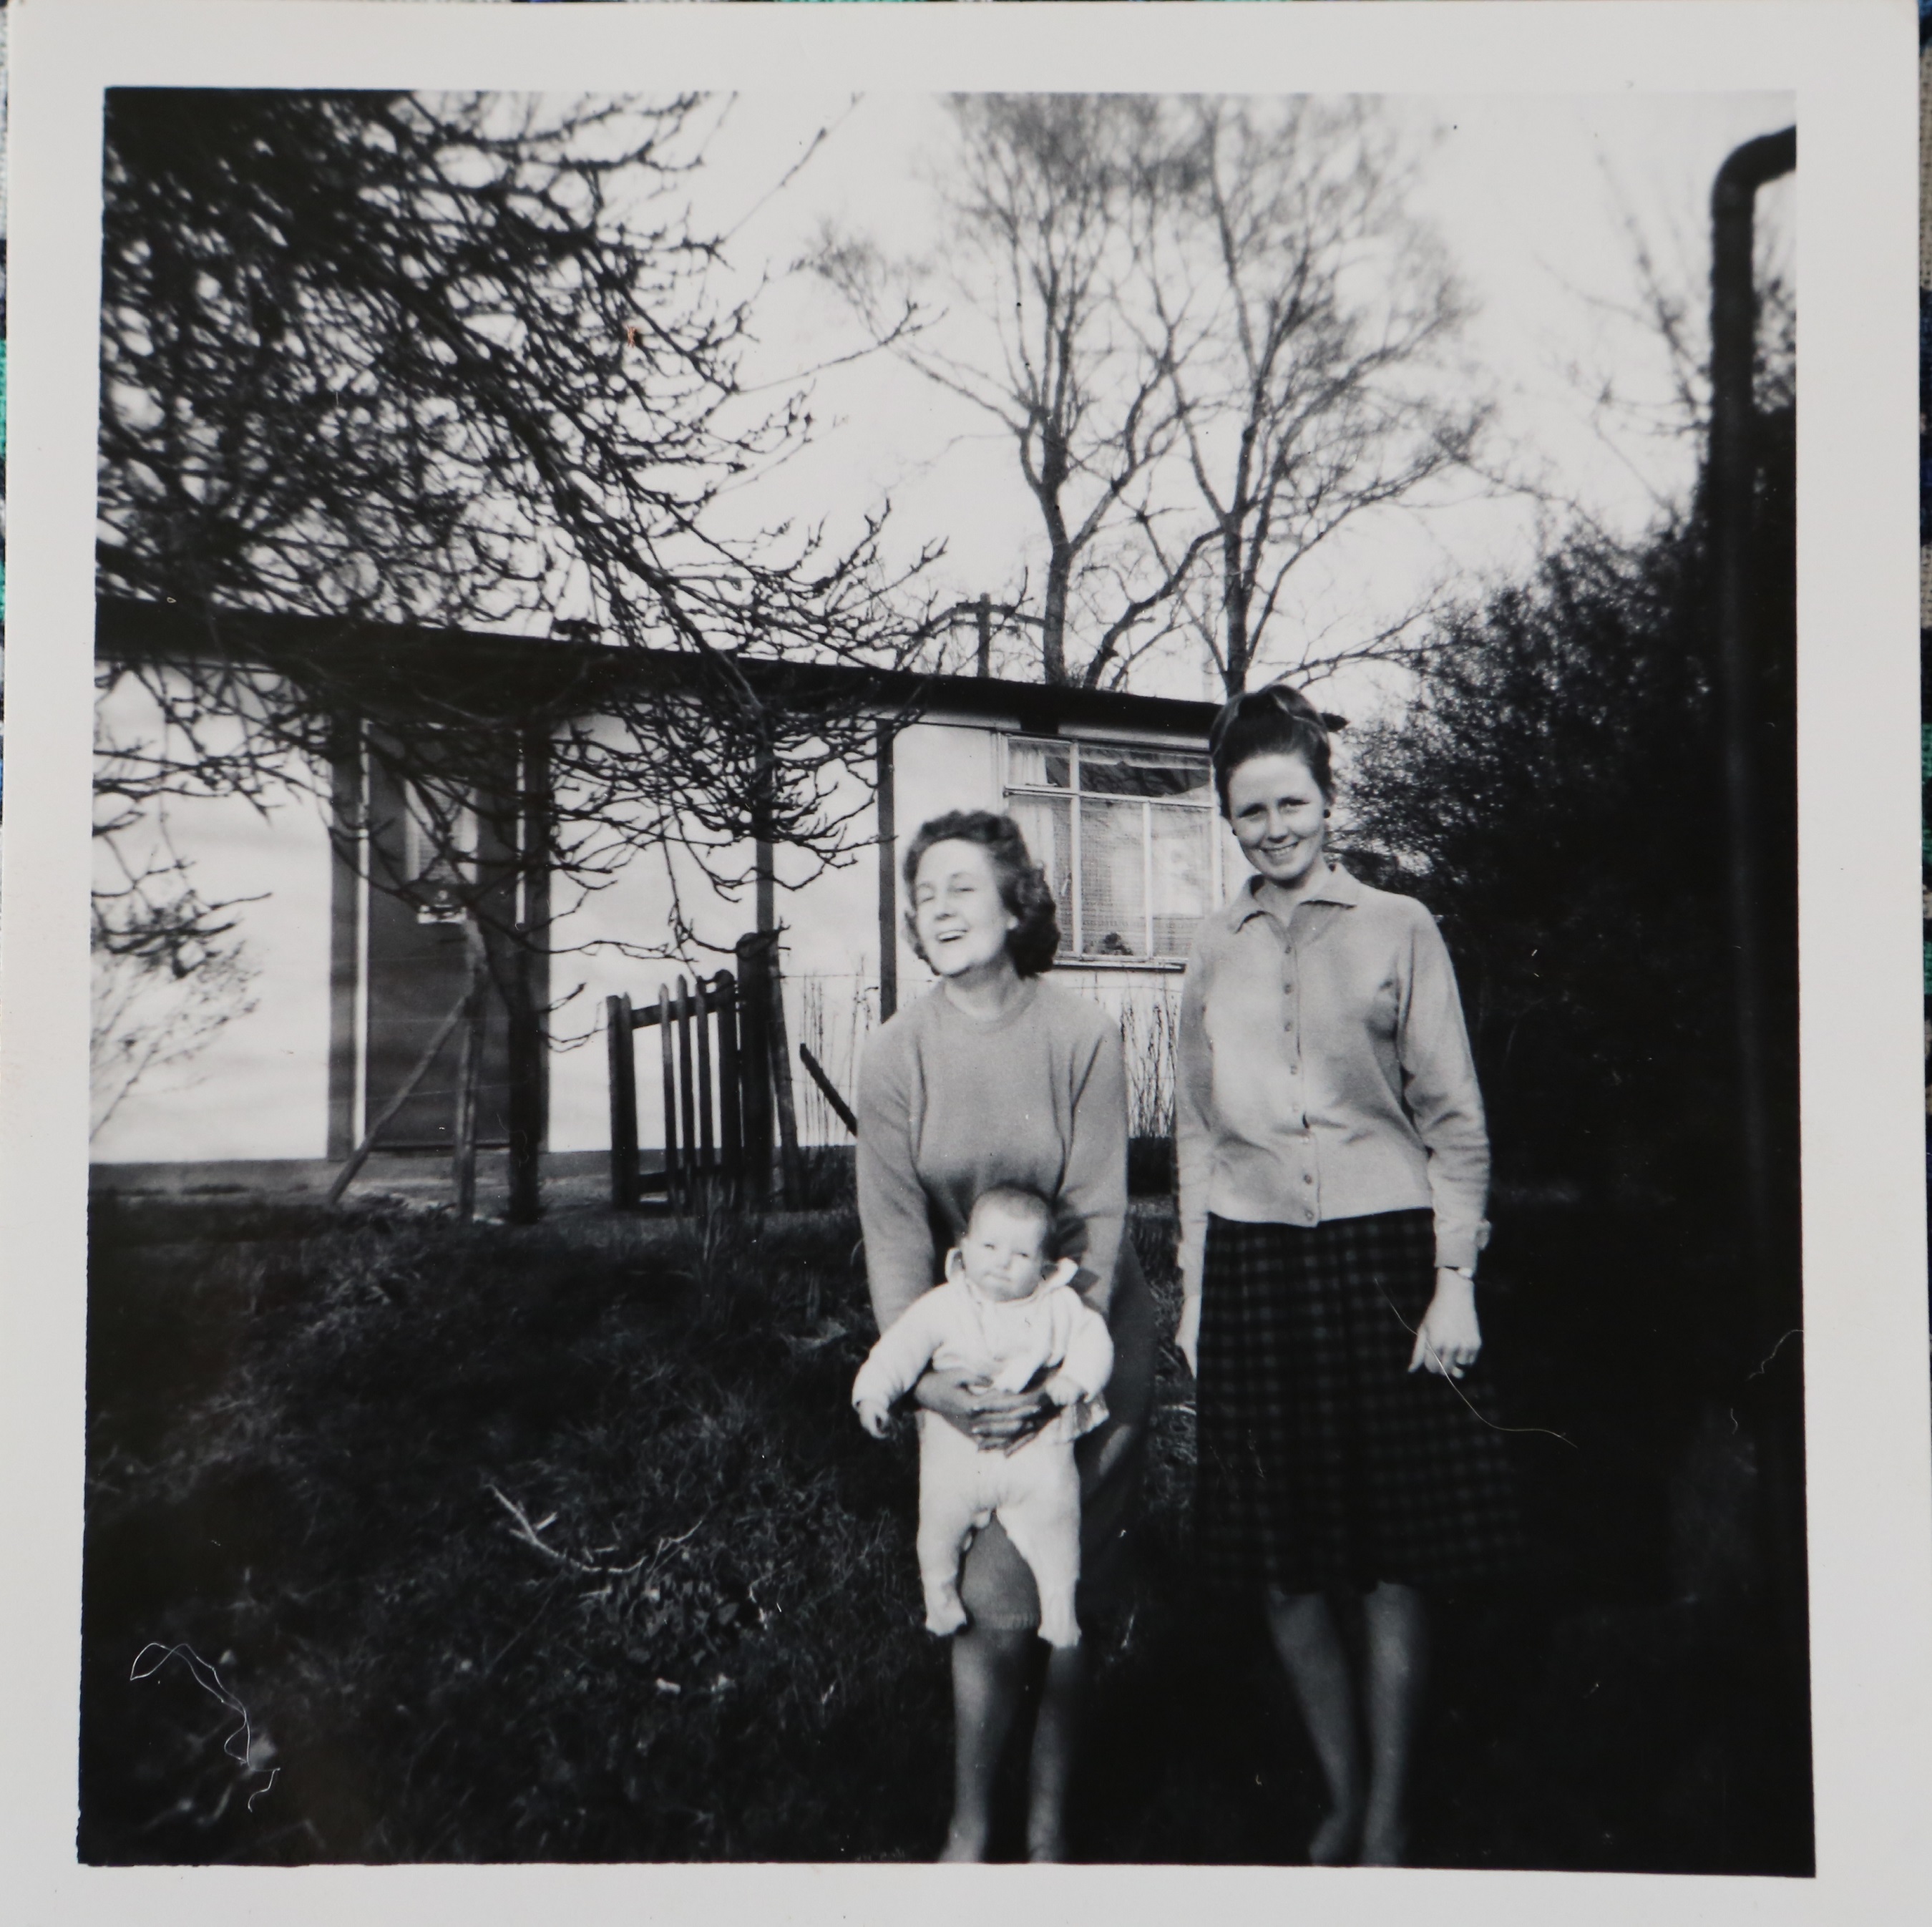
point(1449, 1338)
point(995, 1420)
point(1187, 1333)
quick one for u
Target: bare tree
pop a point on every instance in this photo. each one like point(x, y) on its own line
point(458, 362)
point(1219, 337)
point(1316, 390)
point(1038, 241)
point(461, 363)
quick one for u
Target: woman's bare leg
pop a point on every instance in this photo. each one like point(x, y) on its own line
point(988, 1668)
point(1396, 1620)
point(1056, 1735)
point(1309, 1644)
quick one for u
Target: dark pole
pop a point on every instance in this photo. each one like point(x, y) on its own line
point(755, 1059)
point(764, 858)
point(889, 913)
point(347, 824)
point(530, 989)
point(1732, 481)
point(983, 617)
point(618, 1029)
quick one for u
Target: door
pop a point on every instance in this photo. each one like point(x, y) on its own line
point(418, 964)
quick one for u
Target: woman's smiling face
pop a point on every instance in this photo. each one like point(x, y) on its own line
point(962, 922)
point(1276, 809)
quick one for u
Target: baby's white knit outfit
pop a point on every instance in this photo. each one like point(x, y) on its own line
point(1034, 1491)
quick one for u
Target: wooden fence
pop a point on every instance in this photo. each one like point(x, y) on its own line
point(724, 1075)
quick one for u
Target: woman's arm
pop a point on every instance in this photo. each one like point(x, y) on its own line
point(1193, 1151)
point(1440, 1091)
point(900, 1264)
point(1095, 1187)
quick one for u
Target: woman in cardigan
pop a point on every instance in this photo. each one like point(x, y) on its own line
point(1334, 1170)
point(996, 1077)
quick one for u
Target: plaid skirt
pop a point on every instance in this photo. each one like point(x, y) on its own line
point(1325, 1465)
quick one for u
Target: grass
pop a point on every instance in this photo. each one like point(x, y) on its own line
point(559, 1544)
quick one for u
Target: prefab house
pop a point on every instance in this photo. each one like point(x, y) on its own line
point(353, 958)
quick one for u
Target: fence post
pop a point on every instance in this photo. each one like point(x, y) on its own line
point(789, 1165)
point(731, 1136)
point(707, 1142)
point(754, 1057)
point(623, 1104)
point(693, 1161)
point(665, 1046)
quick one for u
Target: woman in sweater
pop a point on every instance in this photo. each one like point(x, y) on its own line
point(996, 1077)
point(1333, 1170)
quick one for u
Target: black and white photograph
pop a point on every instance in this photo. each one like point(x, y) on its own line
point(943, 968)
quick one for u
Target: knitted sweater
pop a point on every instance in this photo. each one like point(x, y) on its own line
point(950, 1105)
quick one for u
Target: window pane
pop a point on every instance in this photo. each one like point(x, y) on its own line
point(1113, 888)
point(1184, 875)
point(439, 846)
point(1113, 770)
point(1039, 765)
point(1043, 822)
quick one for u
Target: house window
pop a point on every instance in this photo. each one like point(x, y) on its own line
point(1126, 835)
point(438, 853)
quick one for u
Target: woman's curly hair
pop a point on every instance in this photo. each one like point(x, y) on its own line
point(1035, 942)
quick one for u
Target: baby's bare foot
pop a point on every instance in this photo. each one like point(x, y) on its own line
point(945, 1616)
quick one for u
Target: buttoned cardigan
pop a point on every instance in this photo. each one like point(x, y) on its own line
point(1323, 1071)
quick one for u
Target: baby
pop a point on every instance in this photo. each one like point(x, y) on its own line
point(1007, 1315)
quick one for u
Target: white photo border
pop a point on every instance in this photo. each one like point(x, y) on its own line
point(1851, 65)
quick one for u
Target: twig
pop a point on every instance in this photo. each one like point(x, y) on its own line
point(530, 1533)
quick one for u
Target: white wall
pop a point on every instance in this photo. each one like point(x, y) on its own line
point(260, 1088)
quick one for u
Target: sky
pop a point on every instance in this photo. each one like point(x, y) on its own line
point(1541, 204)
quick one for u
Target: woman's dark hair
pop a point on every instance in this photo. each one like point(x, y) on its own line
point(1276, 720)
point(1023, 888)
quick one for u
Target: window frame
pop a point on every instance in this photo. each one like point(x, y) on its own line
point(1074, 955)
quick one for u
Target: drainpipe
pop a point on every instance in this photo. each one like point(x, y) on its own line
point(1773, 1300)
point(1731, 481)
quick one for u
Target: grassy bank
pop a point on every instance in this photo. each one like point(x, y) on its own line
point(560, 1544)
